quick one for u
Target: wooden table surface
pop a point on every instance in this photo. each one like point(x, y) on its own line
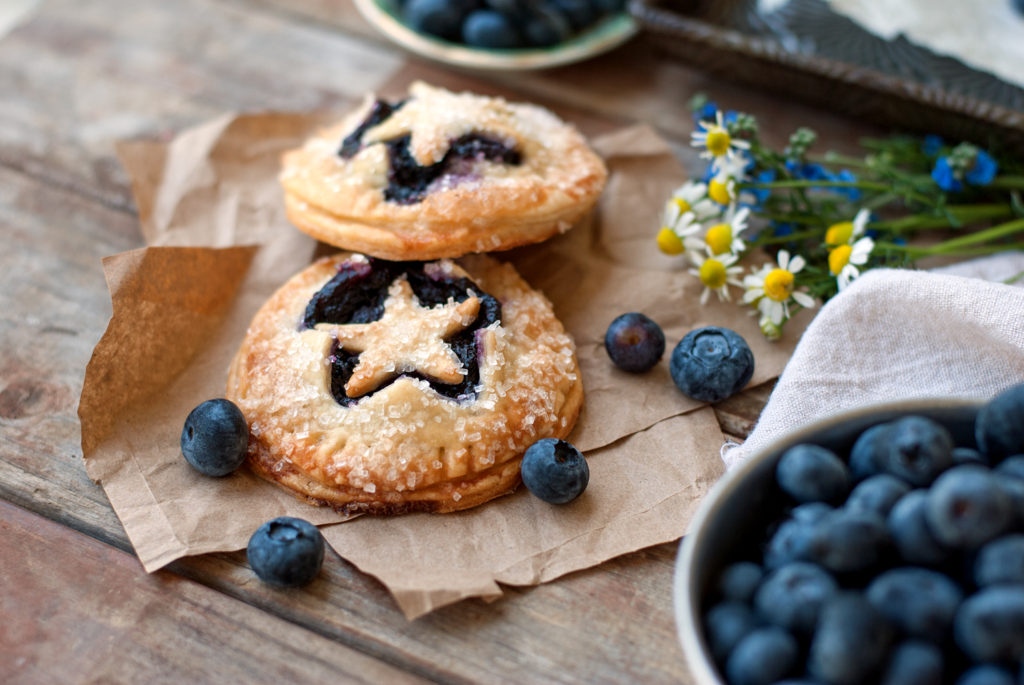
point(75, 604)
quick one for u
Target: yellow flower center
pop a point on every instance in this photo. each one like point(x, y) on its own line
point(669, 242)
point(682, 204)
point(712, 274)
point(778, 285)
point(719, 238)
point(838, 258)
point(718, 141)
point(719, 192)
point(840, 233)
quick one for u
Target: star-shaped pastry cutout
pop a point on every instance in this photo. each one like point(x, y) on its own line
point(408, 337)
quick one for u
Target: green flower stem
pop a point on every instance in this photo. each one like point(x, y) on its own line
point(1011, 182)
point(862, 185)
point(989, 234)
point(962, 214)
point(776, 239)
point(836, 159)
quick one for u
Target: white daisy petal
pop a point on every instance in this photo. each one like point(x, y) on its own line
point(803, 299)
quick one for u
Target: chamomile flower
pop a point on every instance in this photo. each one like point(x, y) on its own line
point(724, 237)
point(722, 189)
point(718, 145)
point(717, 273)
point(844, 260)
point(675, 229)
point(692, 197)
point(845, 232)
point(772, 288)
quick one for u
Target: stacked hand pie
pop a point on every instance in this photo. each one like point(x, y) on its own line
point(389, 378)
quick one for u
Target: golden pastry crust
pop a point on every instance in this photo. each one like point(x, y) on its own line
point(495, 207)
point(403, 447)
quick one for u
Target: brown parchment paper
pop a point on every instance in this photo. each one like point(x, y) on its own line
point(211, 209)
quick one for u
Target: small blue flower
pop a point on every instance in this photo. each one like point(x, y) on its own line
point(780, 228)
point(730, 116)
point(943, 175)
point(932, 144)
point(814, 172)
point(762, 194)
point(846, 176)
point(705, 113)
point(983, 170)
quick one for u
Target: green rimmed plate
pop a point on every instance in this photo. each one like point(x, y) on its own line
point(608, 33)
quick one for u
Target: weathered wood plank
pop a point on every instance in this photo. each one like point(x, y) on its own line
point(76, 610)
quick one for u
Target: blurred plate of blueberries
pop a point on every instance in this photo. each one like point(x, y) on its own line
point(502, 34)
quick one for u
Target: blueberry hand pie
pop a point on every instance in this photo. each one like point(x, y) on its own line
point(387, 387)
point(441, 174)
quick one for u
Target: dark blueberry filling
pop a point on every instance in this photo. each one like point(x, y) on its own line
point(356, 295)
point(353, 142)
point(408, 181)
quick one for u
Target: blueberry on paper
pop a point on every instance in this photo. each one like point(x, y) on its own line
point(762, 657)
point(214, 437)
point(999, 428)
point(555, 471)
point(712, 363)
point(967, 507)
point(919, 601)
point(634, 342)
point(989, 625)
point(811, 473)
point(286, 552)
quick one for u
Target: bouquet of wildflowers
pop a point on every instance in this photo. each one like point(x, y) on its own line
point(823, 220)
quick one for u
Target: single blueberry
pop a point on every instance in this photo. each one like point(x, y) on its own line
point(850, 642)
point(918, 601)
point(999, 428)
point(546, 26)
point(811, 512)
point(917, 450)
point(215, 437)
point(1012, 466)
point(847, 541)
point(1014, 489)
point(580, 13)
point(990, 624)
point(555, 471)
point(788, 543)
point(868, 453)
point(968, 455)
point(985, 674)
point(710, 364)
point(286, 552)
point(811, 473)
point(634, 342)
point(442, 18)
point(877, 494)
point(967, 507)
point(910, 533)
point(740, 580)
point(762, 657)
point(727, 623)
point(792, 596)
point(914, 662)
point(1000, 561)
point(490, 29)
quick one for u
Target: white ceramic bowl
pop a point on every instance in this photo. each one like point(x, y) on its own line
point(608, 33)
point(733, 514)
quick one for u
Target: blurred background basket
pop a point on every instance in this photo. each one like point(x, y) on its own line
point(805, 50)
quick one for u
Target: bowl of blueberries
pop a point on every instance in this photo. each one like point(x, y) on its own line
point(502, 34)
point(882, 546)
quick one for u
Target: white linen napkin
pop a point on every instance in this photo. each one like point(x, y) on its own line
point(896, 334)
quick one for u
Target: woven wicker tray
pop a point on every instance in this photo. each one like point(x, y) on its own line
point(794, 53)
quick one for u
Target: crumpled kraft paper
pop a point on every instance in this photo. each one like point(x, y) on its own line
point(211, 209)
